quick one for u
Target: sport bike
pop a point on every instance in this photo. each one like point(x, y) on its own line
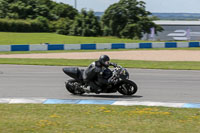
point(119, 77)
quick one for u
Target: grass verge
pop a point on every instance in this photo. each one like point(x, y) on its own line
point(177, 65)
point(8, 38)
point(23, 118)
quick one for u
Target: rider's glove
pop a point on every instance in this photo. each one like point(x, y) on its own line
point(113, 64)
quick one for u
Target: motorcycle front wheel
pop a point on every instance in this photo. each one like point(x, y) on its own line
point(127, 87)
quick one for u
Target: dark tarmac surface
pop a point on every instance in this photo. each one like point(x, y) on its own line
point(23, 81)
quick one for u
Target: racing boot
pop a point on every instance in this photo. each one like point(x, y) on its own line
point(87, 89)
point(98, 90)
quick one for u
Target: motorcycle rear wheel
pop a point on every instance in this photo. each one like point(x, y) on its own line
point(127, 87)
point(72, 86)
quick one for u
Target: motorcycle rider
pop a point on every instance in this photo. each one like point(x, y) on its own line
point(98, 74)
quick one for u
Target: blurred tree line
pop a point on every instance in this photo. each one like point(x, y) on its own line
point(125, 19)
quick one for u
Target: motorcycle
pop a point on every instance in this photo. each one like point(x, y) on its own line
point(120, 77)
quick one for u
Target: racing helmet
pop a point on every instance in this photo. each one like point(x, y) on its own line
point(104, 60)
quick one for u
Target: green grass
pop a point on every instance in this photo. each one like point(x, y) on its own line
point(40, 118)
point(178, 65)
point(53, 38)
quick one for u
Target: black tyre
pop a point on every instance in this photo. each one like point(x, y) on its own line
point(73, 87)
point(127, 87)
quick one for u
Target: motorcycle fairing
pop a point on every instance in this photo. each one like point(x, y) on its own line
point(74, 72)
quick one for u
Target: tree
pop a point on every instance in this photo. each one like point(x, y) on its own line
point(61, 26)
point(3, 8)
point(24, 9)
point(86, 24)
point(127, 19)
point(64, 11)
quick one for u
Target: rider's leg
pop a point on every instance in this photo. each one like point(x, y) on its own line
point(95, 87)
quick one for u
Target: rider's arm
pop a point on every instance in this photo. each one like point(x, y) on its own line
point(113, 64)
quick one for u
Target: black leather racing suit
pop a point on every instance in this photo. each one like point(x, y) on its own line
point(97, 76)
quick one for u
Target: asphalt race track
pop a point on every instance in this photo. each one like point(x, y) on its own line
point(23, 81)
